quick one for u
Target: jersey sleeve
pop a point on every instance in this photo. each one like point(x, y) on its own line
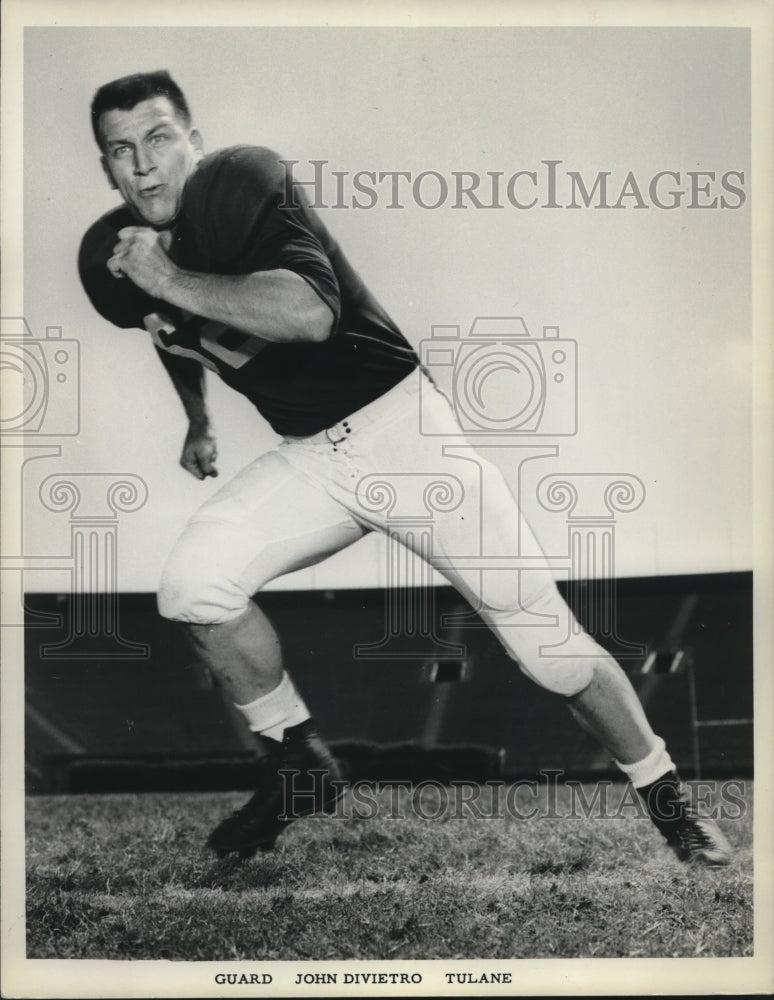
point(254, 222)
point(117, 300)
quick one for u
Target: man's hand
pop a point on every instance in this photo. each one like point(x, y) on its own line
point(199, 452)
point(141, 254)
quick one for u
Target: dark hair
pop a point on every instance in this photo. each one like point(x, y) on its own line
point(124, 94)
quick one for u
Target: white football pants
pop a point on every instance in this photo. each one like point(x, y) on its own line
point(381, 469)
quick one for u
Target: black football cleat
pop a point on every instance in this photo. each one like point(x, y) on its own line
point(297, 777)
point(692, 837)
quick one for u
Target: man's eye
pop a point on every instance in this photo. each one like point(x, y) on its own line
point(158, 138)
point(120, 151)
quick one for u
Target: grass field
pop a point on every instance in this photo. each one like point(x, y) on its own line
point(127, 877)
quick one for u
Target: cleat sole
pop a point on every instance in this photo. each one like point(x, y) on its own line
point(244, 850)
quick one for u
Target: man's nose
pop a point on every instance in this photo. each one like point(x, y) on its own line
point(143, 162)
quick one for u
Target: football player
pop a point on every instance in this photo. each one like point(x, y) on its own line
point(227, 267)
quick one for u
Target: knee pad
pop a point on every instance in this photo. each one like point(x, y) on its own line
point(532, 644)
point(565, 675)
point(195, 587)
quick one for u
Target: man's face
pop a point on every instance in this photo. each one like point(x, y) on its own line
point(149, 154)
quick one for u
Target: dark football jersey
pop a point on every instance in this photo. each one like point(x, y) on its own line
point(239, 215)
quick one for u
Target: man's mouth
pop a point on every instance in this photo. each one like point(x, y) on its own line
point(151, 192)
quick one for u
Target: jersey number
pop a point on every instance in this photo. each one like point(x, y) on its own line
point(204, 340)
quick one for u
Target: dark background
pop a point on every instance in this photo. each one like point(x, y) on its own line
point(108, 716)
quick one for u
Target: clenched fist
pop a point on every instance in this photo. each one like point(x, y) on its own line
point(141, 254)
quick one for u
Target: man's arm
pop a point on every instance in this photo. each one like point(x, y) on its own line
point(276, 305)
point(199, 450)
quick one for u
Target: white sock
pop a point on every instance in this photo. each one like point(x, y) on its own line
point(651, 768)
point(271, 714)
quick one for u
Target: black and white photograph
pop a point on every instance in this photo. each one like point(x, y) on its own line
point(386, 499)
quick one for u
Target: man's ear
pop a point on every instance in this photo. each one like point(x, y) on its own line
point(195, 138)
point(106, 168)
